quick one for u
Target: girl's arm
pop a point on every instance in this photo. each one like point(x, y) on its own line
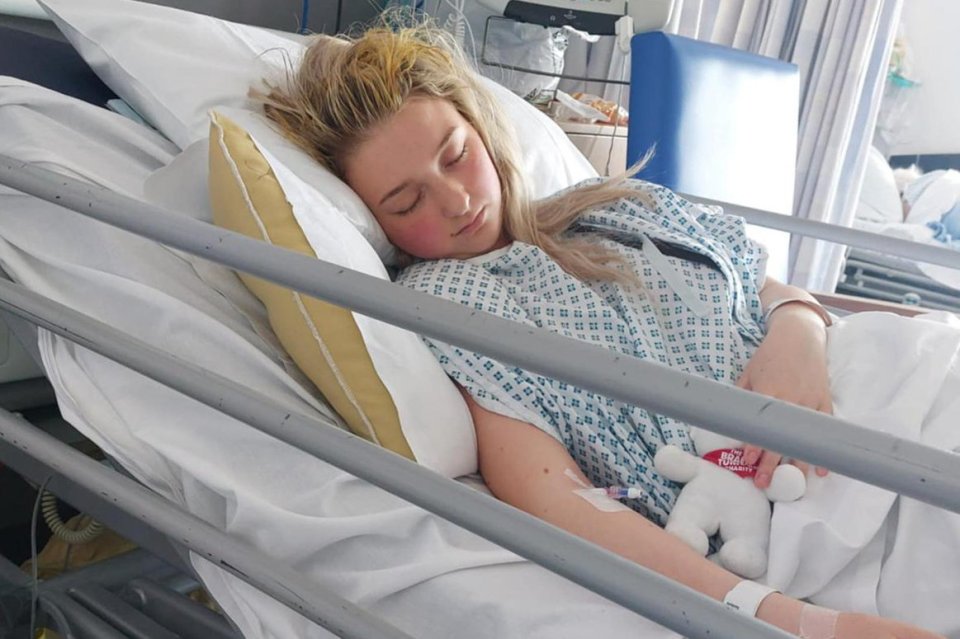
point(790, 364)
point(527, 468)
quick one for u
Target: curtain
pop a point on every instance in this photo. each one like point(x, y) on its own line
point(841, 48)
point(846, 71)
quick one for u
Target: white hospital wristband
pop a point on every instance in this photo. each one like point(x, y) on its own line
point(747, 596)
point(812, 305)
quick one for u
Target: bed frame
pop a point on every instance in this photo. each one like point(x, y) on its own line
point(878, 276)
point(98, 601)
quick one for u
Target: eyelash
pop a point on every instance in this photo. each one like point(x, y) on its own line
point(462, 155)
point(459, 158)
point(412, 206)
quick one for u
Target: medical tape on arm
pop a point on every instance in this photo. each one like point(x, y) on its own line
point(596, 497)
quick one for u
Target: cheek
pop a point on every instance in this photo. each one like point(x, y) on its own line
point(421, 238)
point(486, 178)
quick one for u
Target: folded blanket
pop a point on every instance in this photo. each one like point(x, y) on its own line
point(854, 546)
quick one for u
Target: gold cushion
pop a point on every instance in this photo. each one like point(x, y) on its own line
point(323, 339)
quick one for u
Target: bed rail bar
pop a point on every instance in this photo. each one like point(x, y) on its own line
point(841, 234)
point(906, 467)
point(627, 583)
point(41, 183)
point(284, 584)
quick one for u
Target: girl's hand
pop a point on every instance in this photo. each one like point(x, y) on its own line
point(790, 365)
point(851, 625)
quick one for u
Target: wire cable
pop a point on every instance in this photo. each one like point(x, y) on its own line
point(616, 113)
point(456, 22)
point(35, 585)
point(48, 506)
point(627, 60)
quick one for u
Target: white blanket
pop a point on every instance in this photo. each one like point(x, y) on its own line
point(854, 546)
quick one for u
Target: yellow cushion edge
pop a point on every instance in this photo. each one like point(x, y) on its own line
point(322, 338)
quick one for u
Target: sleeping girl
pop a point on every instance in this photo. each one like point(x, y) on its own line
point(621, 263)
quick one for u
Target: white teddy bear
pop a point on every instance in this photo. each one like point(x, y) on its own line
point(720, 495)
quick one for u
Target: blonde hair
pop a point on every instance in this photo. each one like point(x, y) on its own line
point(346, 86)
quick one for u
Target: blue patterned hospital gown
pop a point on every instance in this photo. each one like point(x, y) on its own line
point(710, 327)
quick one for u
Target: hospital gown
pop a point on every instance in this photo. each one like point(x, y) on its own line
point(697, 309)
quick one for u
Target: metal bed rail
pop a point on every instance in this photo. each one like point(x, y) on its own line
point(841, 234)
point(135, 594)
point(625, 582)
point(879, 276)
point(306, 597)
point(907, 467)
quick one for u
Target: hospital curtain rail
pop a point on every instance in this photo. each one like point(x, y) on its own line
point(910, 468)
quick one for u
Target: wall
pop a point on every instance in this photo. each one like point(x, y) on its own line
point(932, 123)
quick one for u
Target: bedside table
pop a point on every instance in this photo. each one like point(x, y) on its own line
point(595, 142)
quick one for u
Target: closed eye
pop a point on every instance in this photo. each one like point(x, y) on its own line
point(412, 206)
point(460, 157)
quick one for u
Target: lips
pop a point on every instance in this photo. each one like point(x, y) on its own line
point(474, 224)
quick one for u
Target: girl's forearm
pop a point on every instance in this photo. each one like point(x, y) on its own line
point(639, 540)
point(532, 471)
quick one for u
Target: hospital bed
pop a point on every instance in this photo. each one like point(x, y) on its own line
point(366, 563)
point(878, 276)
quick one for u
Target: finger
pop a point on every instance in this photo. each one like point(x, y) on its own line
point(805, 468)
point(751, 454)
point(768, 462)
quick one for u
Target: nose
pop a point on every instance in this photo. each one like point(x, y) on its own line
point(453, 198)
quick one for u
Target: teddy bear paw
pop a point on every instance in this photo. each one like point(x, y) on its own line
point(690, 535)
point(675, 464)
point(745, 557)
point(787, 484)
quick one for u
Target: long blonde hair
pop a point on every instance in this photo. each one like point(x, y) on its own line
point(346, 86)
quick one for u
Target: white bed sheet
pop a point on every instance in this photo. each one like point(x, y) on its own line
point(425, 575)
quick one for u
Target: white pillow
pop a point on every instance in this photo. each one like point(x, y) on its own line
point(173, 66)
point(294, 160)
point(383, 379)
point(550, 160)
point(879, 197)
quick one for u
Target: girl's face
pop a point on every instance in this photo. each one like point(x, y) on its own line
point(426, 175)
